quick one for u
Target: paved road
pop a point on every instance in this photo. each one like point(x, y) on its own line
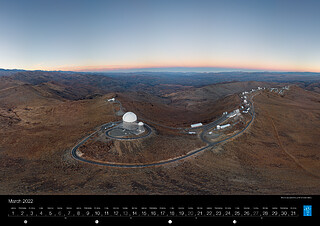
point(163, 162)
point(210, 126)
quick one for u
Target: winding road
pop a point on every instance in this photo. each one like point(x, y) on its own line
point(206, 128)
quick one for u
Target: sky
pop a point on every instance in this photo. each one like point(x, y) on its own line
point(93, 35)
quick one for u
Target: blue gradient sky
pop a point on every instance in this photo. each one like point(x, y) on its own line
point(281, 35)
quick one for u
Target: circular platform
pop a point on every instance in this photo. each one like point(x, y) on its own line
point(123, 134)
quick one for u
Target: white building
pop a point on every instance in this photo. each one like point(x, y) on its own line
point(111, 100)
point(129, 117)
point(196, 125)
point(223, 126)
point(141, 127)
point(129, 121)
point(192, 132)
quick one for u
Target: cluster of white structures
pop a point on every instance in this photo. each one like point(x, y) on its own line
point(279, 90)
point(230, 115)
point(253, 90)
point(234, 113)
point(246, 110)
point(112, 100)
point(245, 107)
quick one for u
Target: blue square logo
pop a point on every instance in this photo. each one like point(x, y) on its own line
point(307, 210)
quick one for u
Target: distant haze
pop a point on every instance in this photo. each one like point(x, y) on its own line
point(176, 69)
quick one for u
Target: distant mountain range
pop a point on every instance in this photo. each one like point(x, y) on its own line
point(155, 82)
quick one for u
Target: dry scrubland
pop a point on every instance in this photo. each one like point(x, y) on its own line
point(279, 154)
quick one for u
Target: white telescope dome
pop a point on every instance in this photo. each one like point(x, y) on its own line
point(140, 124)
point(129, 117)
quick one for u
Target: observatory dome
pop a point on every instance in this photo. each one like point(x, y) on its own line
point(129, 117)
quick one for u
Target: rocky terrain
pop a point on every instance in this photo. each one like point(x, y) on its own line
point(43, 115)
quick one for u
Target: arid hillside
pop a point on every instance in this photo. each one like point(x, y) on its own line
point(36, 120)
point(41, 122)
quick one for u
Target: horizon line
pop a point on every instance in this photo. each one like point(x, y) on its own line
point(164, 69)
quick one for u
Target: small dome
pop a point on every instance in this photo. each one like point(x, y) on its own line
point(129, 117)
point(140, 124)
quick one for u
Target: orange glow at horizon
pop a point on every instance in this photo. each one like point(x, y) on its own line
point(241, 64)
point(102, 68)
